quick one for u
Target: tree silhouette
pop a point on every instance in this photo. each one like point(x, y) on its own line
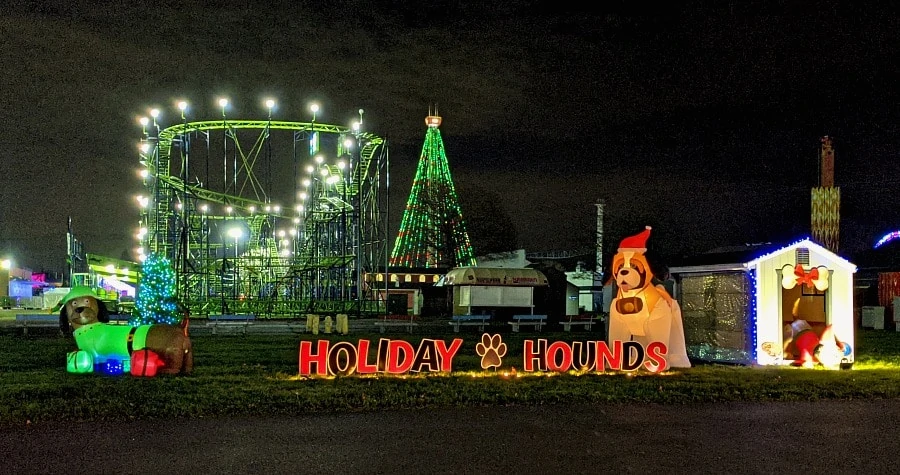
point(490, 227)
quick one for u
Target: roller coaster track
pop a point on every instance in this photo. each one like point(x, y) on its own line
point(210, 272)
point(369, 146)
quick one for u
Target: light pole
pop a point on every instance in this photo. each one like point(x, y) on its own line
point(181, 262)
point(223, 103)
point(235, 232)
point(357, 215)
point(156, 185)
point(270, 104)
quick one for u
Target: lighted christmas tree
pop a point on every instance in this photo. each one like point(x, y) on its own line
point(432, 231)
point(156, 301)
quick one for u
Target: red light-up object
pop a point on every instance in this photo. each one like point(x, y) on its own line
point(145, 363)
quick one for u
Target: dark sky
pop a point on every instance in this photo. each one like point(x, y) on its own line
point(702, 119)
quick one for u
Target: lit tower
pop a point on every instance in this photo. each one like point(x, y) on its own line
point(826, 201)
point(598, 273)
point(432, 231)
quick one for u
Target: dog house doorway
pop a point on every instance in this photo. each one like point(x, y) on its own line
point(804, 302)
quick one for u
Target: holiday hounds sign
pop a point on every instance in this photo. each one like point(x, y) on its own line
point(325, 358)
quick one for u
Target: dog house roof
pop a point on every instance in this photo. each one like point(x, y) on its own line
point(742, 258)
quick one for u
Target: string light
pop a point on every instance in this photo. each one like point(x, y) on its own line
point(422, 226)
point(887, 238)
point(156, 302)
point(754, 320)
point(807, 243)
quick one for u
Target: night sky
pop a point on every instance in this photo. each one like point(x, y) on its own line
point(702, 120)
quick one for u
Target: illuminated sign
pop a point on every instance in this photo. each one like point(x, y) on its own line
point(393, 356)
point(324, 358)
point(561, 356)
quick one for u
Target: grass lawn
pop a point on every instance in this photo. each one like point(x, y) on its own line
point(258, 375)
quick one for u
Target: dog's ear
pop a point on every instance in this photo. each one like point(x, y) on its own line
point(64, 321)
point(618, 262)
point(102, 312)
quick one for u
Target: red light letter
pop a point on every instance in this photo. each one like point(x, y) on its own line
point(400, 356)
point(633, 348)
point(447, 354)
point(339, 365)
point(307, 359)
point(609, 359)
point(656, 357)
point(584, 355)
point(530, 355)
point(383, 345)
point(565, 351)
point(363, 366)
point(427, 358)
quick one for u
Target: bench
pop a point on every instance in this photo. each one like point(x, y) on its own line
point(462, 320)
point(586, 320)
point(33, 320)
point(228, 320)
point(119, 319)
point(396, 321)
point(537, 321)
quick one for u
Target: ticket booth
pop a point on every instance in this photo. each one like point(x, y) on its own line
point(485, 290)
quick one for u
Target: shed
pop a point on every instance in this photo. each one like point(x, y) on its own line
point(483, 288)
point(736, 301)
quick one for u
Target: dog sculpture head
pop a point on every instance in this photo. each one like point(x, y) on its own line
point(631, 271)
point(81, 307)
point(630, 268)
point(633, 276)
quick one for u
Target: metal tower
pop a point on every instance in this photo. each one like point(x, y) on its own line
point(826, 201)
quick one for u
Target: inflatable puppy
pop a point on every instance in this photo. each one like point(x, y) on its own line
point(810, 348)
point(84, 317)
point(640, 311)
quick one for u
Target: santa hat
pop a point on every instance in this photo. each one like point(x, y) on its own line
point(636, 243)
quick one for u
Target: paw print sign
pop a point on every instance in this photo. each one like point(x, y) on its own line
point(491, 349)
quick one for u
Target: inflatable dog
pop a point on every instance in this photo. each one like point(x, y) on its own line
point(643, 312)
point(809, 348)
point(84, 317)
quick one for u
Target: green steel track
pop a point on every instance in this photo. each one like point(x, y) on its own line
point(341, 237)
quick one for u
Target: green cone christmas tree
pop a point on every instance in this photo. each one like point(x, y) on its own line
point(156, 300)
point(433, 231)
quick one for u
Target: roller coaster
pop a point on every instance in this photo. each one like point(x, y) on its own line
point(215, 209)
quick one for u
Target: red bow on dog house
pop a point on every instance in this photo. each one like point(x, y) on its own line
point(816, 277)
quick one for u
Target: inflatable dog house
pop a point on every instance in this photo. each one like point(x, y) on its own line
point(739, 303)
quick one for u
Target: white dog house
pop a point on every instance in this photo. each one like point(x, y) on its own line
point(736, 302)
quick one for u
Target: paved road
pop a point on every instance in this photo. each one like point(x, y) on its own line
point(822, 437)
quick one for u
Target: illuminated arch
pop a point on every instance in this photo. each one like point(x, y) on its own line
point(887, 238)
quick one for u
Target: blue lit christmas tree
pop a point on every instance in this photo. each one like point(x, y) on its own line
point(156, 301)
point(432, 231)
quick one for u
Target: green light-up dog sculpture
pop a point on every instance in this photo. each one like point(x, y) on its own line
point(142, 350)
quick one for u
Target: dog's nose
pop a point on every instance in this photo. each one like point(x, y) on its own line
point(79, 309)
point(623, 272)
